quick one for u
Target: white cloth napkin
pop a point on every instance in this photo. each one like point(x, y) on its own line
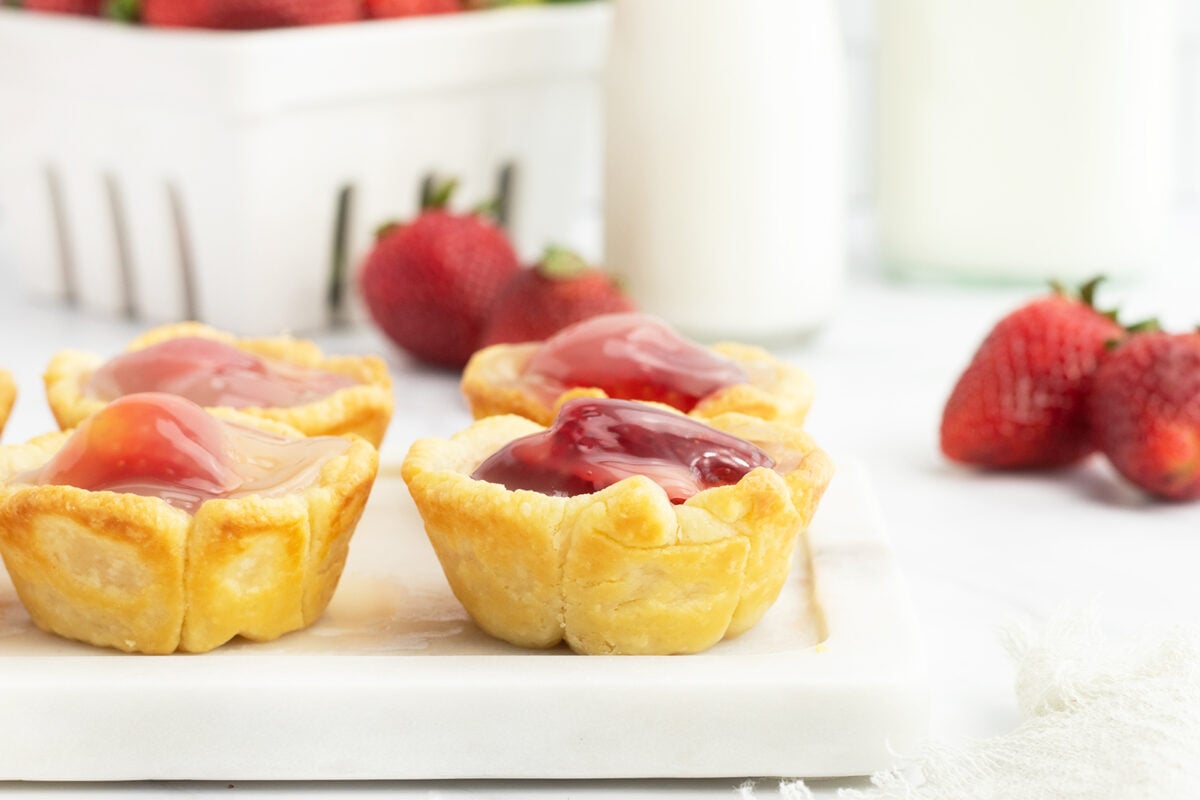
point(1100, 721)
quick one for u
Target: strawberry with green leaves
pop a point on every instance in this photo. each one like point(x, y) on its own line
point(1145, 410)
point(538, 302)
point(430, 284)
point(1022, 401)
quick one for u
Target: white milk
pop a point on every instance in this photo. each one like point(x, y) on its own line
point(725, 188)
point(1024, 139)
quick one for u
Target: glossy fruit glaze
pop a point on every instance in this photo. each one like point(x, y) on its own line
point(634, 357)
point(212, 373)
point(161, 445)
point(595, 443)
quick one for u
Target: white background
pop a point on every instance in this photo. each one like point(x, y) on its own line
point(858, 20)
point(978, 550)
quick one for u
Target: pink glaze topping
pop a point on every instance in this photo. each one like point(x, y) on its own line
point(634, 357)
point(212, 373)
point(162, 445)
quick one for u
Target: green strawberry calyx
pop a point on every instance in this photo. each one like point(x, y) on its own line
point(1085, 294)
point(1151, 325)
point(386, 229)
point(561, 264)
point(124, 10)
point(436, 194)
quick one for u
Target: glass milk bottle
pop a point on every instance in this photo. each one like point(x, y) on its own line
point(1022, 140)
point(724, 173)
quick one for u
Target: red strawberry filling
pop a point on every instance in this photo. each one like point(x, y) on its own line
point(633, 357)
point(596, 443)
point(212, 373)
point(160, 445)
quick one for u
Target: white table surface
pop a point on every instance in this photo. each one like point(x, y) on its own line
point(978, 550)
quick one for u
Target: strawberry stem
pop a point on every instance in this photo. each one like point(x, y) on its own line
point(1087, 292)
point(488, 208)
point(124, 10)
point(385, 229)
point(435, 195)
point(1145, 326)
point(559, 263)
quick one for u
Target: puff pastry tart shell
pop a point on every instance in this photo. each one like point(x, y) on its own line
point(621, 571)
point(364, 409)
point(134, 573)
point(492, 384)
point(8, 395)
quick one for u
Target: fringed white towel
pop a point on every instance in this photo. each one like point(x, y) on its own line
point(1100, 721)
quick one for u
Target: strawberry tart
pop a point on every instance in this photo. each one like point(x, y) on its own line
point(158, 526)
point(634, 356)
point(624, 528)
point(282, 379)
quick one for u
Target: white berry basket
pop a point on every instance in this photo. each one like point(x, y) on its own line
point(238, 178)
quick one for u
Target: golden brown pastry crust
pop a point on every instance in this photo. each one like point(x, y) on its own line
point(776, 391)
point(8, 396)
point(364, 409)
point(136, 574)
point(622, 570)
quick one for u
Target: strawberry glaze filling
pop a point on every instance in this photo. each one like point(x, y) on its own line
point(212, 373)
point(596, 443)
point(633, 357)
point(161, 445)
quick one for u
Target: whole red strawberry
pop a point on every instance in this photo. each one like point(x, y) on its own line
point(537, 303)
point(382, 9)
point(89, 8)
point(1145, 410)
point(248, 14)
point(430, 284)
point(1022, 401)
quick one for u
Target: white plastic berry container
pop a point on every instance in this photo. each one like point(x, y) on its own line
point(238, 178)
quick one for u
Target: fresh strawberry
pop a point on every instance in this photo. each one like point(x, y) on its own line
point(1145, 410)
point(1022, 401)
point(248, 14)
point(88, 8)
point(383, 9)
point(429, 285)
point(539, 302)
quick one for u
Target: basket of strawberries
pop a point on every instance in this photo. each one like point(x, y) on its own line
point(230, 160)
